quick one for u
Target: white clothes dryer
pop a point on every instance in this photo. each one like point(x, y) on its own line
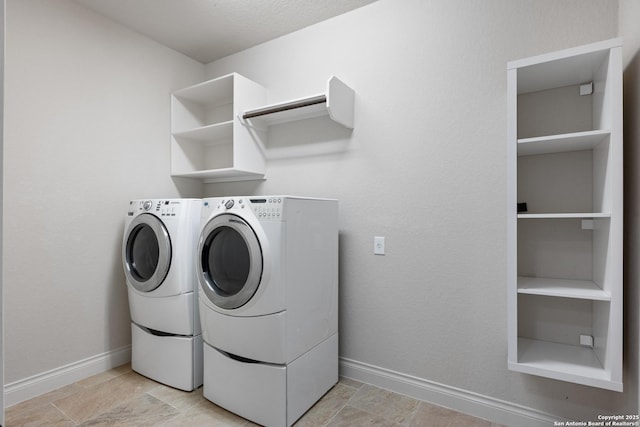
point(268, 274)
point(158, 251)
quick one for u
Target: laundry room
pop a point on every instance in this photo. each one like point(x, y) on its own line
point(421, 172)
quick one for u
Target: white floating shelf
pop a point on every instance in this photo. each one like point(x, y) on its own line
point(208, 133)
point(222, 175)
point(582, 289)
point(215, 91)
point(337, 102)
point(564, 215)
point(561, 143)
point(563, 362)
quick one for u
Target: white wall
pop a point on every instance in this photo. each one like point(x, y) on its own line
point(629, 13)
point(1, 210)
point(425, 167)
point(86, 130)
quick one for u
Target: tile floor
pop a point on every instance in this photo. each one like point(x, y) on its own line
point(121, 397)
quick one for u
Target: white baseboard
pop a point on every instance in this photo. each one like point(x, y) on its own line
point(489, 408)
point(27, 388)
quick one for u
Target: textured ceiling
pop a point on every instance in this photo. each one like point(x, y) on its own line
point(206, 30)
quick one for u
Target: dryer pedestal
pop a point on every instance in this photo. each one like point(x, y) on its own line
point(172, 360)
point(269, 394)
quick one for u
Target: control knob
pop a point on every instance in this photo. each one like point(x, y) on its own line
point(229, 204)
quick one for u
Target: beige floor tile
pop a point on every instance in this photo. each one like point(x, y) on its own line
point(105, 376)
point(206, 414)
point(43, 414)
point(350, 382)
point(354, 417)
point(392, 406)
point(100, 398)
point(327, 407)
point(97, 379)
point(181, 400)
point(44, 399)
point(437, 416)
point(142, 410)
point(121, 397)
point(122, 369)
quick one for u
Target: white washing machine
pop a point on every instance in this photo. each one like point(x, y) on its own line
point(268, 274)
point(158, 251)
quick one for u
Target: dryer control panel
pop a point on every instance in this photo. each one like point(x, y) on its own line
point(264, 208)
point(267, 207)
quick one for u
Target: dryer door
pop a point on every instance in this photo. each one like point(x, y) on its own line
point(146, 252)
point(229, 261)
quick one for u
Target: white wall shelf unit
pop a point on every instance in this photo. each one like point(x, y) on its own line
point(208, 141)
point(565, 252)
point(337, 102)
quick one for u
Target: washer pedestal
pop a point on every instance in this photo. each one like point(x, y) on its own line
point(269, 394)
point(172, 360)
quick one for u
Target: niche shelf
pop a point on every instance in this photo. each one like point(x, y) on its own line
point(337, 102)
point(208, 141)
point(565, 253)
point(561, 143)
point(568, 288)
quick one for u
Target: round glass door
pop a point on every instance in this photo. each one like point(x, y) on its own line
point(229, 261)
point(146, 253)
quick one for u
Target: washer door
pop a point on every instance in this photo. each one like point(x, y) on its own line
point(229, 261)
point(146, 252)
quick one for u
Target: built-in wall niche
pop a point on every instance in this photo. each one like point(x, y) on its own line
point(566, 335)
point(565, 249)
point(564, 182)
point(565, 215)
point(568, 95)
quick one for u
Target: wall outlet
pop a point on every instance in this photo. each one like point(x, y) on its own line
point(378, 245)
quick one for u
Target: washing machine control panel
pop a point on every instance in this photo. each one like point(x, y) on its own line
point(224, 204)
point(168, 208)
point(163, 208)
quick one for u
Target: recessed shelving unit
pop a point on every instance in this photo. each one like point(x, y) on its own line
point(565, 252)
point(208, 141)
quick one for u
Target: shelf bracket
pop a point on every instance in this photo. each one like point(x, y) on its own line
point(586, 89)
